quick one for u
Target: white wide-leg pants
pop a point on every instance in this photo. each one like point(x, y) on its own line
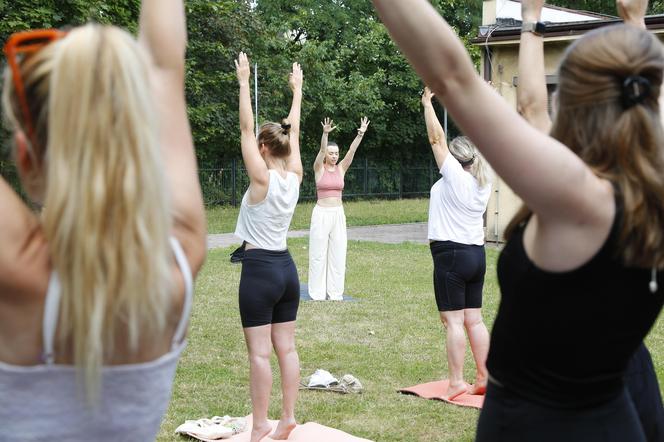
point(327, 253)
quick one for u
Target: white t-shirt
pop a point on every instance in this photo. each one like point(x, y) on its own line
point(266, 223)
point(456, 205)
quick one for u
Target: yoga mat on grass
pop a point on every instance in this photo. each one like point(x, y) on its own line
point(438, 389)
point(309, 432)
point(304, 294)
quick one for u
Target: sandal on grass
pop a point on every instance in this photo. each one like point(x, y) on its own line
point(334, 388)
point(237, 424)
point(351, 383)
point(348, 384)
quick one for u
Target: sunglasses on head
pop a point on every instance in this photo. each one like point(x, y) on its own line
point(24, 44)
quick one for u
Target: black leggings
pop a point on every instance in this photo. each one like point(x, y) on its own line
point(458, 275)
point(269, 288)
point(641, 382)
point(506, 417)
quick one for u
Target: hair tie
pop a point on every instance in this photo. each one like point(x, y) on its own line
point(467, 162)
point(635, 89)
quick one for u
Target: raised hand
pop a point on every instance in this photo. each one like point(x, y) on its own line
point(632, 11)
point(364, 124)
point(427, 95)
point(531, 10)
point(295, 78)
point(328, 125)
point(242, 68)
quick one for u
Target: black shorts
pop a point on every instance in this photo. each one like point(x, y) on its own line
point(458, 275)
point(506, 417)
point(269, 288)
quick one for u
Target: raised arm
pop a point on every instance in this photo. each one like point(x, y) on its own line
point(328, 126)
point(435, 131)
point(295, 79)
point(552, 181)
point(531, 93)
point(162, 32)
point(253, 161)
point(633, 12)
point(348, 158)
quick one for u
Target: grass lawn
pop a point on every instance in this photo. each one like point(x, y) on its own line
point(221, 219)
point(390, 338)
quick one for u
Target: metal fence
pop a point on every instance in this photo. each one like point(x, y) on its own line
point(364, 179)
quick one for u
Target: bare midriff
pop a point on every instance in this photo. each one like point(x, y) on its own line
point(331, 201)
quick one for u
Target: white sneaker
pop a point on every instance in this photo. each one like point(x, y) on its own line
point(322, 378)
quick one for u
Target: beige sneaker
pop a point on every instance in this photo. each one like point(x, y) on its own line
point(351, 384)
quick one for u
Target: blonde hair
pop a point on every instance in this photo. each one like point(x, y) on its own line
point(623, 144)
point(465, 151)
point(276, 137)
point(106, 213)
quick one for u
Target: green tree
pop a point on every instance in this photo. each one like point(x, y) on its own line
point(351, 67)
point(19, 15)
point(218, 30)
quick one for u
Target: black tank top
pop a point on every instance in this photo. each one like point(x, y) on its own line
point(564, 339)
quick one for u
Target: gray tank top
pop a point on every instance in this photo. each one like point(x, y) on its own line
point(47, 402)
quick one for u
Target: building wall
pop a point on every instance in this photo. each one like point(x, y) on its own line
point(504, 69)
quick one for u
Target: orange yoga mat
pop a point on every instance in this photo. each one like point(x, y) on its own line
point(308, 432)
point(438, 389)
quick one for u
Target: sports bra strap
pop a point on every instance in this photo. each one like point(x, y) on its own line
point(181, 259)
point(51, 311)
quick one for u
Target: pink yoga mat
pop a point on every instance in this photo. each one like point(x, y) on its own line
point(308, 432)
point(438, 389)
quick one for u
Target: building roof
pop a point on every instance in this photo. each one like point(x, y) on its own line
point(510, 10)
point(510, 31)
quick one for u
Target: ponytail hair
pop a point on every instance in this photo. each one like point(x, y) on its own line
point(106, 211)
point(276, 138)
point(466, 153)
point(617, 134)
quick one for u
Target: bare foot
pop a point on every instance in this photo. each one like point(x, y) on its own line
point(284, 429)
point(456, 390)
point(259, 432)
point(480, 384)
point(479, 388)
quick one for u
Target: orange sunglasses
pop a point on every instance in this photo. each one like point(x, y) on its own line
point(26, 43)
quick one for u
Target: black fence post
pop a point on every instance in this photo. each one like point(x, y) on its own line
point(400, 181)
point(234, 182)
point(366, 176)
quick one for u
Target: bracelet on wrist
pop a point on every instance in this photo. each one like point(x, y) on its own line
point(535, 27)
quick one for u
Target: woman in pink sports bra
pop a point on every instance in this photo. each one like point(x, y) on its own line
point(327, 235)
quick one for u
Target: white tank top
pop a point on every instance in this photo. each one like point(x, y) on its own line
point(46, 402)
point(265, 224)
